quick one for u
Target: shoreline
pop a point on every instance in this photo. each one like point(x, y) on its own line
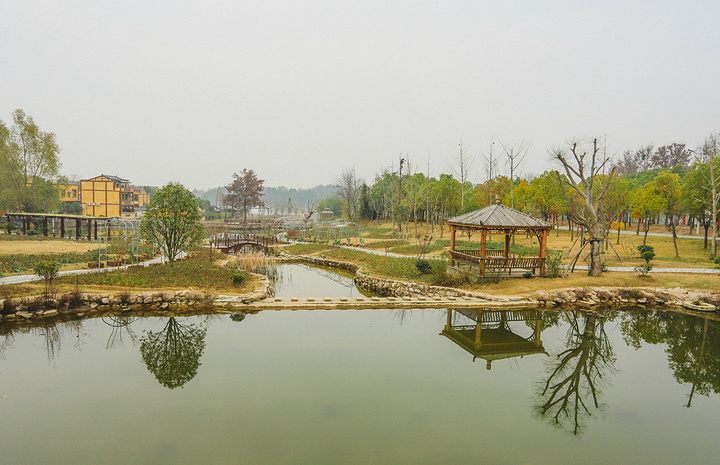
point(395, 294)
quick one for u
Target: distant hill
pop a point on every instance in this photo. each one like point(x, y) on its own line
point(276, 196)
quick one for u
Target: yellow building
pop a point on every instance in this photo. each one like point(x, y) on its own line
point(70, 192)
point(104, 195)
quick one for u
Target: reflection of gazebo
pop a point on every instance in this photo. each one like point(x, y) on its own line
point(502, 220)
point(487, 335)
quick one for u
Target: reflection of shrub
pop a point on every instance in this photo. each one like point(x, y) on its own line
point(423, 266)
point(237, 317)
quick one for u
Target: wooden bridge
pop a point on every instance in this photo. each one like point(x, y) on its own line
point(228, 243)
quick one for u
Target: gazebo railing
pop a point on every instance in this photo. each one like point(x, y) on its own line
point(488, 252)
point(502, 263)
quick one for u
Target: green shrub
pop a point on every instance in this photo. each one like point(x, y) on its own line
point(238, 278)
point(717, 260)
point(528, 274)
point(553, 264)
point(645, 248)
point(423, 266)
point(48, 271)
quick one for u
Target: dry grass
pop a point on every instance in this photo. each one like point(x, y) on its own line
point(520, 286)
point(46, 246)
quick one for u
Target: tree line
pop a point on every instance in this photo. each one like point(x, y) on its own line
point(671, 185)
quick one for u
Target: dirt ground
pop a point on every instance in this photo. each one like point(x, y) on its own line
point(38, 247)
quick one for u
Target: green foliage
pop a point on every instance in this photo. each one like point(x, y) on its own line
point(71, 208)
point(48, 271)
point(29, 166)
point(16, 263)
point(528, 274)
point(173, 354)
point(717, 260)
point(553, 264)
point(237, 317)
point(172, 220)
point(647, 252)
point(423, 266)
point(238, 278)
point(195, 272)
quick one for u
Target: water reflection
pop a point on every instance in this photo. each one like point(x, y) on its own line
point(570, 394)
point(487, 334)
point(173, 354)
point(692, 345)
point(120, 325)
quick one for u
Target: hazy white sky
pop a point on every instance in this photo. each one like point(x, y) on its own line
point(192, 91)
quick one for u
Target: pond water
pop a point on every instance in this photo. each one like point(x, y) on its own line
point(363, 387)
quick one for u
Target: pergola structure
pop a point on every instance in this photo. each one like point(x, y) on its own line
point(502, 220)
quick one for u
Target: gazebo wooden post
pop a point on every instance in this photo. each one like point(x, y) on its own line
point(452, 244)
point(543, 247)
point(483, 251)
point(507, 245)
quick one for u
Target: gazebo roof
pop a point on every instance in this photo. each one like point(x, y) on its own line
point(499, 216)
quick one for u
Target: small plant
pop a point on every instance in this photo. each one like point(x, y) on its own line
point(717, 260)
point(528, 274)
point(48, 271)
point(423, 266)
point(238, 278)
point(647, 252)
point(553, 264)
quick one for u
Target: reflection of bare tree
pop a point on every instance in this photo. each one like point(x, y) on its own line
point(7, 341)
point(52, 339)
point(76, 327)
point(571, 393)
point(119, 325)
point(173, 354)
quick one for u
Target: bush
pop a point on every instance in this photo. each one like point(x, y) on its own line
point(48, 271)
point(553, 264)
point(528, 274)
point(238, 278)
point(423, 266)
point(717, 260)
point(645, 248)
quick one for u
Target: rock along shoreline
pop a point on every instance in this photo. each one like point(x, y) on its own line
point(80, 304)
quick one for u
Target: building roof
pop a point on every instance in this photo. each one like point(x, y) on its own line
point(499, 216)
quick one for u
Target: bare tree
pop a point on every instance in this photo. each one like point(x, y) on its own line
point(515, 156)
point(709, 150)
point(348, 188)
point(491, 171)
point(460, 167)
point(583, 167)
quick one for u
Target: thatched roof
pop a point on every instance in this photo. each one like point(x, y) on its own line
point(499, 216)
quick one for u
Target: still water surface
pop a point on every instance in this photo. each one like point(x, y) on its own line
point(362, 386)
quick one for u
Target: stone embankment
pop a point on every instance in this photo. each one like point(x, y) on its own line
point(394, 294)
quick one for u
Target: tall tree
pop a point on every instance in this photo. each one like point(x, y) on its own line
point(29, 166)
point(245, 192)
point(668, 186)
point(460, 167)
point(172, 220)
point(348, 188)
point(583, 167)
point(515, 156)
point(669, 156)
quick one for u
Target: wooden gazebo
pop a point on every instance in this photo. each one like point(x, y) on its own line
point(502, 220)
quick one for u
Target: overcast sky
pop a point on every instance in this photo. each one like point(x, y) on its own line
point(299, 90)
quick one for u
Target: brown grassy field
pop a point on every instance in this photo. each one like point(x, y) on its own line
point(48, 246)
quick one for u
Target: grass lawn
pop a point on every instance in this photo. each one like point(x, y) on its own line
point(195, 273)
